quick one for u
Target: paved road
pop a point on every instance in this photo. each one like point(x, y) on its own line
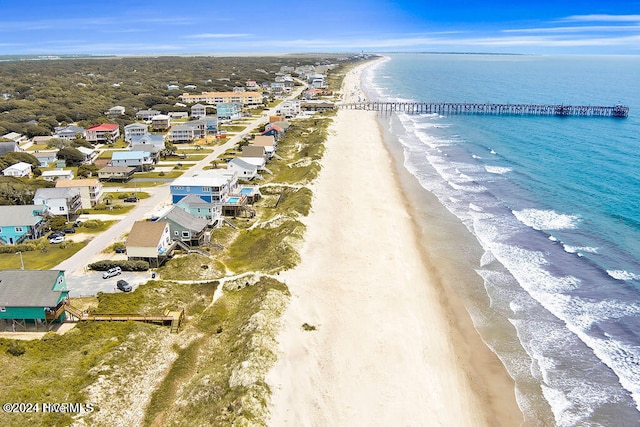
point(81, 282)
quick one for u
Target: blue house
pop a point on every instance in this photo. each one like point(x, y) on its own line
point(31, 298)
point(197, 207)
point(141, 160)
point(229, 111)
point(211, 185)
point(19, 223)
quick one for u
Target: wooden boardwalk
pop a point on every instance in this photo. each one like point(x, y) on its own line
point(448, 108)
point(171, 318)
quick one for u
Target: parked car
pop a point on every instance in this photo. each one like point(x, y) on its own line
point(130, 199)
point(121, 250)
point(111, 272)
point(124, 286)
point(69, 230)
point(56, 239)
point(55, 234)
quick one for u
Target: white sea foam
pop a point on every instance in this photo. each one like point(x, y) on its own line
point(476, 157)
point(623, 275)
point(580, 249)
point(499, 170)
point(546, 219)
point(487, 258)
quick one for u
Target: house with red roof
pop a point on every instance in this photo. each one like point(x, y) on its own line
point(104, 133)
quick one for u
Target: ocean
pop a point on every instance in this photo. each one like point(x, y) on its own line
point(552, 202)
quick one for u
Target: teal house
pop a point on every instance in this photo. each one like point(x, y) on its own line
point(29, 298)
point(20, 222)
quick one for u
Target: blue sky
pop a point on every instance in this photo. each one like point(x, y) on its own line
point(212, 26)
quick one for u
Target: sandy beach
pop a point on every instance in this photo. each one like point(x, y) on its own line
point(390, 347)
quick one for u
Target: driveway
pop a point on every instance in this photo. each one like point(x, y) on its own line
point(91, 282)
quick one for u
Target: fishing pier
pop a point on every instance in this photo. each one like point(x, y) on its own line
point(449, 108)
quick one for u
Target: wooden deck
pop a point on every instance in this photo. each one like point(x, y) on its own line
point(168, 318)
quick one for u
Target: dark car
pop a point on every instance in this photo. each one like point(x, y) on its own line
point(77, 223)
point(124, 286)
point(130, 199)
point(69, 230)
point(56, 234)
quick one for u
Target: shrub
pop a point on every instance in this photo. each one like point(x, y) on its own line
point(124, 265)
point(93, 223)
point(22, 247)
point(15, 349)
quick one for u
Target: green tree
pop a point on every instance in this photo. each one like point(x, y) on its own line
point(71, 155)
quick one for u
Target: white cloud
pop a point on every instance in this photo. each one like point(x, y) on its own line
point(215, 36)
point(601, 18)
point(579, 29)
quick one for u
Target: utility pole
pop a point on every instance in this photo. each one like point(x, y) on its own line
point(21, 260)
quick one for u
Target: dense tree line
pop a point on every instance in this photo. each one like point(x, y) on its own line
point(43, 94)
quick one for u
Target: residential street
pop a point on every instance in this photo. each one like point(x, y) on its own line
point(82, 282)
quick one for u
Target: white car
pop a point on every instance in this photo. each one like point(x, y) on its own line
point(56, 239)
point(111, 272)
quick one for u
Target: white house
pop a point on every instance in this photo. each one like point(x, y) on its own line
point(141, 160)
point(87, 153)
point(19, 169)
point(90, 190)
point(244, 169)
point(46, 157)
point(58, 173)
point(198, 110)
point(58, 201)
point(134, 129)
point(118, 110)
point(149, 241)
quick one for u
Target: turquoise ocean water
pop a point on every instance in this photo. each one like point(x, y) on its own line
point(554, 203)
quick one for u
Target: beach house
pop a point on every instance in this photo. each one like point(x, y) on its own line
point(161, 122)
point(140, 160)
point(198, 110)
point(116, 111)
point(229, 111)
point(19, 169)
point(58, 173)
point(197, 207)
point(32, 299)
point(46, 157)
point(116, 173)
point(149, 241)
point(20, 222)
point(70, 132)
point(104, 133)
point(133, 130)
point(245, 170)
point(268, 142)
point(87, 153)
point(289, 108)
point(59, 201)
point(210, 185)
point(90, 190)
point(146, 115)
point(185, 227)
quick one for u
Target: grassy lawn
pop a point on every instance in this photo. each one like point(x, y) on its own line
point(122, 194)
point(194, 150)
point(164, 175)
point(113, 209)
point(41, 259)
point(93, 226)
point(134, 185)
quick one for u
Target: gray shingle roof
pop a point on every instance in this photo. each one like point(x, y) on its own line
point(28, 288)
point(185, 219)
point(19, 215)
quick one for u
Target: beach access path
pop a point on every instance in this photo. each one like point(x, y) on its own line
point(383, 352)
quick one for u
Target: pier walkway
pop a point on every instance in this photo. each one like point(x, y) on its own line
point(448, 108)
